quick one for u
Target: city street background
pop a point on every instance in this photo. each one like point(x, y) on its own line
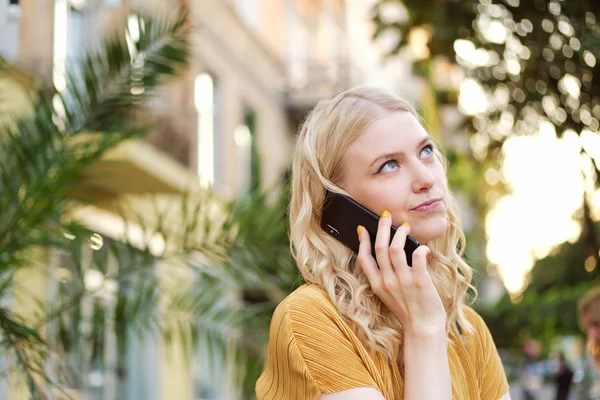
point(145, 149)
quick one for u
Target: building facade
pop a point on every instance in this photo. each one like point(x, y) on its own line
point(258, 66)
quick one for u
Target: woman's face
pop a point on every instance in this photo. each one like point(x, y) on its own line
point(391, 166)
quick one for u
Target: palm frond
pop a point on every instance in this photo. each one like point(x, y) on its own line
point(28, 349)
point(108, 86)
point(228, 302)
point(225, 266)
point(38, 160)
point(43, 153)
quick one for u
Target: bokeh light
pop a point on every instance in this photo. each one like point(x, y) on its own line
point(538, 214)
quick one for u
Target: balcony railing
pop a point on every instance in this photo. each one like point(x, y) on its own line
point(312, 80)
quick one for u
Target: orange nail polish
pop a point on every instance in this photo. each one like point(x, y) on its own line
point(359, 229)
point(385, 213)
point(406, 224)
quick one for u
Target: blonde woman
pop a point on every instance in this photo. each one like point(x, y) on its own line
point(589, 320)
point(373, 328)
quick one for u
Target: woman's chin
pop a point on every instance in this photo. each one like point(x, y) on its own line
point(430, 230)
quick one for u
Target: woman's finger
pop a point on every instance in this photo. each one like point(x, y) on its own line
point(419, 267)
point(397, 253)
point(365, 258)
point(382, 243)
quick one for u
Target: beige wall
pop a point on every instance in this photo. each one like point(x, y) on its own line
point(248, 75)
point(36, 35)
point(272, 26)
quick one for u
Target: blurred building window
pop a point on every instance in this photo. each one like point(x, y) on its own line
point(9, 29)
point(297, 47)
point(76, 27)
point(69, 36)
point(76, 30)
point(243, 138)
point(247, 156)
point(248, 12)
point(128, 374)
point(14, 9)
point(206, 101)
point(251, 122)
point(61, 15)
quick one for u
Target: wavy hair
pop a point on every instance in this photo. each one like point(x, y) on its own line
point(323, 139)
point(590, 303)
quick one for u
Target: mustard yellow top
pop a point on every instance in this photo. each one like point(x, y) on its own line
point(313, 351)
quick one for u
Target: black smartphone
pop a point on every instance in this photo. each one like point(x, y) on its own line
point(342, 215)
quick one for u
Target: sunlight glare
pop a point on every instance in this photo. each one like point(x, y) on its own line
point(472, 99)
point(590, 142)
point(466, 51)
point(494, 32)
point(527, 223)
point(571, 85)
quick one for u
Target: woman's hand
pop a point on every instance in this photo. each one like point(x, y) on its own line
point(408, 292)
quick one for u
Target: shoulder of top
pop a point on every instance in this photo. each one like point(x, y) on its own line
point(306, 298)
point(306, 294)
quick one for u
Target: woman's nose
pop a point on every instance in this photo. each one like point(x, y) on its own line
point(422, 178)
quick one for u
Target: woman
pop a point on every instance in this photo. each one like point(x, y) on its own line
point(366, 328)
point(589, 320)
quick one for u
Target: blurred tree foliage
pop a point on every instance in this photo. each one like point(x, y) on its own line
point(547, 307)
point(534, 62)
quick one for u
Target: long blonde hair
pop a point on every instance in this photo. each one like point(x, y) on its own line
point(322, 141)
point(590, 303)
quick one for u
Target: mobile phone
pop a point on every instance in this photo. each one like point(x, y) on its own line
point(342, 215)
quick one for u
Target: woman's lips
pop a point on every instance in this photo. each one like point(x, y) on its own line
point(428, 206)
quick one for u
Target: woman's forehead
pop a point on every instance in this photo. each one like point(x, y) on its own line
point(398, 128)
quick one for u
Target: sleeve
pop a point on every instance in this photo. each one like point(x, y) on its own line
point(491, 378)
point(309, 354)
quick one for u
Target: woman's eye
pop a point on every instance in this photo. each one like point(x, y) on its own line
point(427, 150)
point(388, 166)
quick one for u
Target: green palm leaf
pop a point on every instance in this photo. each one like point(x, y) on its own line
point(43, 153)
point(226, 265)
point(231, 301)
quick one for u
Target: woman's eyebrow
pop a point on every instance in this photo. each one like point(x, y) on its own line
point(387, 156)
point(400, 154)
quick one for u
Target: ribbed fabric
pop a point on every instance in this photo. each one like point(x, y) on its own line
point(313, 351)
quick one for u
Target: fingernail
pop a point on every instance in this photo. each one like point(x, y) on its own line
point(359, 229)
point(406, 224)
point(385, 213)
